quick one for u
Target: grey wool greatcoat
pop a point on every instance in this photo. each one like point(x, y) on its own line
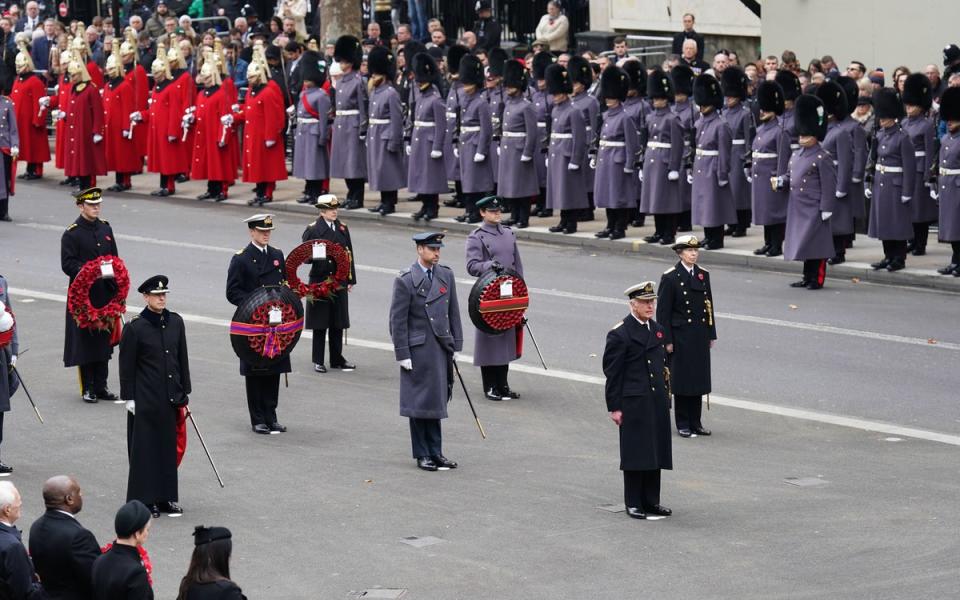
point(425, 328)
point(772, 142)
point(634, 360)
point(8, 382)
point(566, 189)
point(688, 121)
point(687, 319)
point(495, 98)
point(348, 153)
point(839, 144)
point(310, 158)
point(615, 185)
point(948, 186)
point(385, 155)
point(486, 244)
point(476, 133)
point(659, 195)
point(542, 106)
point(890, 217)
point(455, 97)
point(590, 109)
point(813, 185)
point(638, 109)
point(426, 175)
point(923, 135)
point(517, 178)
point(335, 313)
point(740, 120)
point(855, 190)
point(712, 203)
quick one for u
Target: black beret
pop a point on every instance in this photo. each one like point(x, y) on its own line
point(131, 518)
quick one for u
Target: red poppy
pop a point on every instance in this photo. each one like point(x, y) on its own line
point(108, 237)
point(276, 262)
point(700, 276)
point(659, 334)
point(443, 290)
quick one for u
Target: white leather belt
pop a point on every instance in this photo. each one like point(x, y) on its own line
point(470, 129)
point(589, 128)
point(886, 169)
point(348, 113)
point(794, 146)
point(306, 120)
point(495, 120)
point(764, 154)
point(612, 144)
point(920, 153)
point(514, 134)
point(379, 121)
point(948, 172)
point(542, 124)
point(561, 136)
point(836, 163)
point(451, 115)
point(738, 142)
point(424, 124)
point(659, 145)
point(701, 152)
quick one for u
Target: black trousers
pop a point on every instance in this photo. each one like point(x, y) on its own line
point(470, 201)
point(684, 221)
point(666, 226)
point(168, 182)
point(714, 236)
point(774, 234)
point(955, 257)
point(815, 270)
point(520, 209)
point(495, 377)
point(312, 188)
point(1, 427)
point(93, 376)
point(4, 207)
point(388, 199)
point(426, 438)
point(641, 489)
point(895, 249)
point(744, 217)
point(336, 345)
point(921, 233)
point(355, 191)
point(85, 181)
point(540, 201)
point(687, 411)
point(263, 394)
point(430, 205)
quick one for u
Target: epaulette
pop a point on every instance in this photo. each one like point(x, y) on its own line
point(71, 226)
point(702, 269)
point(133, 318)
point(104, 221)
point(619, 323)
point(240, 251)
point(403, 272)
point(80, 86)
point(670, 270)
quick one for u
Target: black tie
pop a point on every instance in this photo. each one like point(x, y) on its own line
point(430, 275)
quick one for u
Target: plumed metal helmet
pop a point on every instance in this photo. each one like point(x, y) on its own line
point(542, 60)
point(580, 71)
point(734, 82)
point(77, 68)
point(514, 75)
point(425, 69)
point(637, 75)
point(706, 91)
point(210, 69)
point(454, 56)
point(918, 91)
point(770, 97)
point(682, 77)
point(950, 104)
point(887, 104)
point(558, 80)
point(113, 67)
point(129, 45)
point(659, 85)
point(790, 84)
point(614, 83)
point(497, 60)
point(24, 62)
point(834, 99)
point(348, 49)
point(810, 116)
point(175, 57)
point(851, 89)
point(380, 62)
point(313, 67)
point(471, 70)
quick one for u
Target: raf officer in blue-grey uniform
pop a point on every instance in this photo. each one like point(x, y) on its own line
point(255, 266)
point(426, 333)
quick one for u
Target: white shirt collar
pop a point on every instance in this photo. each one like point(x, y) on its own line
point(69, 514)
point(642, 323)
point(259, 247)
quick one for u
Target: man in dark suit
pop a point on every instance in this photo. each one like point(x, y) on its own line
point(40, 49)
point(31, 19)
point(688, 33)
point(63, 551)
point(16, 570)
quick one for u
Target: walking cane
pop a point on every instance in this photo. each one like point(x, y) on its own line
point(204, 444)
point(483, 434)
point(27, 392)
point(536, 346)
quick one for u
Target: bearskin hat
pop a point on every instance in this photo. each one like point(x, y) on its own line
point(313, 68)
point(496, 61)
point(851, 89)
point(950, 104)
point(514, 75)
point(425, 69)
point(790, 84)
point(887, 105)
point(659, 85)
point(682, 77)
point(706, 91)
point(810, 116)
point(580, 71)
point(770, 97)
point(411, 49)
point(834, 99)
point(734, 82)
point(558, 80)
point(918, 91)
point(637, 74)
point(348, 49)
point(471, 71)
point(614, 83)
point(380, 62)
point(541, 60)
point(454, 55)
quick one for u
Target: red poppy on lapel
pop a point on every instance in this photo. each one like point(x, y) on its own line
point(342, 228)
point(700, 276)
point(443, 290)
point(659, 334)
point(276, 262)
point(108, 238)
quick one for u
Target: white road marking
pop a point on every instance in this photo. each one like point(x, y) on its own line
point(891, 429)
point(813, 327)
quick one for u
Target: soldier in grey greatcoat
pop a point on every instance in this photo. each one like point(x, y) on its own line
point(917, 98)
point(426, 333)
point(348, 152)
point(543, 106)
point(385, 155)
point(712, 202)
point(790, 84)
point(495, 97)
point(517, 181)
point(839, 144)
point(426, 171)
point(476, 131)
point(662, 161)
point(310, 159)
point(947, 189)
point(494, 246)
point(682, 78)
point(451, 140)
point(616, 181)
point(638, 107)
point(9, 138)
point(813, 185)
point(581, 73)
point(566, 183)
point(742, 126)
point(855, 198)
point(770, 143)
point(891, 188)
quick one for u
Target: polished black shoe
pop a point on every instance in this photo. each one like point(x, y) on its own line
point(730, 230)
point(836, 260)
point(652, 239)
point(474, 218)
point(22, 175)
point(386, 210)
point(220, 197)
point(5, 470)
point(603, 233)
point(155, 511)
point(557, 228)
point(547, 212)
point(897, 264)
point(304, 199)
point(799, 284)
point(739, 233)
point(277, 428)
point(67, 181)
point(208, 195)
point(636, 513)
point(637, 223)
point(107, 395)
point(431, 215)
point(345, 366)
point(617, 235)
point(667, 241)
point(375, 208)
point(116, 188)
point(523, 225)
point(426, 463)
point(762, 250)
point(883, 264)
point(460, 218)
point(685, 433)
point(261, 429)
point(510, 393)
point(570, 230)
point(443, 463)
point(948, 270)
point(452, 203)
point(701, 431)
point(919, 251)
point(182, 178)
point(774, 252)
point(161, 193)
point(6, 219)
point(89, 397)
point(813, 285)
point(659, 510)
point(319, 368)
point(494, 394)
point(419, 214)
point(172, 509)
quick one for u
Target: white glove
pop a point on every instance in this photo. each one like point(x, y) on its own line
point(456, 152)
point(722, 183)
point(627, 170)
point(406, 364)
point(136, 117)
point(171, 138)
point(44, 101)
point(291, 110)
point(840, 195)
point(13, 360)
point(407, 149)
point(58, 114)
point(132, 406)
point(593, 162)
point(97, 138)
point(126, 133)
point(479, 157)
point(227, 120)
point(436, 154)
point(855, 180)
point(671, 176)
point(868, 192)
point(188, 118)
point(14, 151)
point(904, 199)
point(748, 175)
point(457, 357)
point(525, 158)
point(825, 214)
point(689, 178)
point(546, 162)
point(934, 195)
point(270, 143)
point(498, 150)
point(573, 167)
point(235, 108)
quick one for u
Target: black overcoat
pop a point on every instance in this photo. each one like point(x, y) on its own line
point(215, 590)
point(119, 574)
point(335, 313)
point(15, 566)
point(685, 311)
point(63, 553)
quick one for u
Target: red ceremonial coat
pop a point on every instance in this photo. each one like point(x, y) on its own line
point(31, 120)
point(211, 161)
point(60, 100)
point(163, 122)
point(262, 113)
point(188, 92)
point(136, 75)
point(119, 100)
point(84, 119)
point(96, 75)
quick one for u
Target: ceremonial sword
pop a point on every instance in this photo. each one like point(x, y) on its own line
point(202, 443)
point(536, 346)
point(470, 402)
point(27, 392)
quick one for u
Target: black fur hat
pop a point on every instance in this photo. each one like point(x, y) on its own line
point(637, 73)
point(542, 60)
point(770, 97)
point(834, 99)
point(810, 116)
point(734, 82)
point(706, 91)
point(497, 60)
point(887, 105)
point(558, 80)
point(471, 71)
point(425, 69)
point(682, 76)
point(514, 75)
point(348, 49)
point(790, 84)
point(851, 89)
point(411, 49)
point(313, 67)
point(580, 71)
point(380, 62)
point(454, 55)
point(918, 91)
point(950, 104)
point(614, 83)
point(659, 85)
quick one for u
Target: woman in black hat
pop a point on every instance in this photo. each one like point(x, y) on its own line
point(208, 576)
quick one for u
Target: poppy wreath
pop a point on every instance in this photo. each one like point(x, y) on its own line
point(7, 336)
point(326, 289)
point(86, 315)
point(500, 314)
point(272, 343)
